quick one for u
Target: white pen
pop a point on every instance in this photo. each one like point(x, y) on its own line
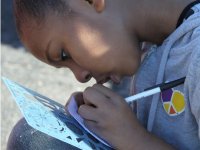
point(155, 89)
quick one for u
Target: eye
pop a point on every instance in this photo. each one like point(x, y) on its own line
point(64, 56)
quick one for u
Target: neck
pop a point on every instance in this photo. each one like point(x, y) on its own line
point(153, 20)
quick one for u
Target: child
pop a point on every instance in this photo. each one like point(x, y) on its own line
point(100, 39)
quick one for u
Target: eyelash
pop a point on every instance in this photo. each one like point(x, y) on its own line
point(64, 56)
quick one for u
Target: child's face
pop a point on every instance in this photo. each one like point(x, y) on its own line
point(96, 46)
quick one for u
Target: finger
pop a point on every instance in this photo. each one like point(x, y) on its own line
point(106, 91)
point(91, 125)
point(88, 113)
point(78, 97)
point(92, 96)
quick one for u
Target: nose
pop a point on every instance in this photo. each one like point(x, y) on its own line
point(81, 74)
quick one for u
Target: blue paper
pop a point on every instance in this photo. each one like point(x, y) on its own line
point(50, 117)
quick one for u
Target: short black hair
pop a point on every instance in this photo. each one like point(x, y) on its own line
point(37, 9)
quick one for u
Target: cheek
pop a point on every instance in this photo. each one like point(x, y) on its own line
point(98, 65)
point(89, 39)
point(113, 60)
point(92, 45)
point(104, 65)
point(92, 54)
point(102, 52)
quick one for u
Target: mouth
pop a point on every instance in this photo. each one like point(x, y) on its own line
point(102, 81)
point(114, 79)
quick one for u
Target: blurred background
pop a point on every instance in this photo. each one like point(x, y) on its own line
point(18, 65)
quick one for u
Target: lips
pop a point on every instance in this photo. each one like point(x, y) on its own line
point(102, 81)
point(115, 79)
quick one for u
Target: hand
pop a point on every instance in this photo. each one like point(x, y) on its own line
point(108, 115)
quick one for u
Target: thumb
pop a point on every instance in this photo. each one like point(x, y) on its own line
point(78, 96)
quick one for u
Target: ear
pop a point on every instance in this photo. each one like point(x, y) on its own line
point(99, 5)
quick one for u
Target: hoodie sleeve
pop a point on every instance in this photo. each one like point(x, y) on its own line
point(193, 83)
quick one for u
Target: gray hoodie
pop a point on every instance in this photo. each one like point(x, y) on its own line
point(173, 115)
